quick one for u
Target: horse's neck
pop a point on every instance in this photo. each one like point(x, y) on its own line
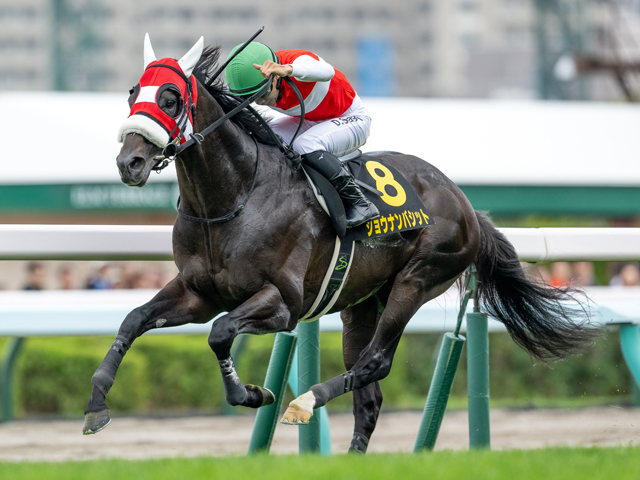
point(213, 178)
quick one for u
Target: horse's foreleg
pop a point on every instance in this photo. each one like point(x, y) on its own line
point(265, 312)
point(174, 305)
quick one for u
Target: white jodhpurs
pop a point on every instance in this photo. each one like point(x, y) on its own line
point(339, 136)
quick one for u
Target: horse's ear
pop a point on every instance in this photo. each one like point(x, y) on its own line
point(188, 62)
point(149, 56)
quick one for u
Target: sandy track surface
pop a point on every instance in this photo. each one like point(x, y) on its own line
point(136, 438)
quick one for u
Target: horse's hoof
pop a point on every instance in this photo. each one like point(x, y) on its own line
point(267, 396)
point(96, 421)
point(296, 415)
point(300, 410)
point(257, 397)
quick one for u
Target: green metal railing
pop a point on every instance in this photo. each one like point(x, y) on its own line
point(12, 350)
point(445, 371)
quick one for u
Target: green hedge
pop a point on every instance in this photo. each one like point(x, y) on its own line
point(180, 374)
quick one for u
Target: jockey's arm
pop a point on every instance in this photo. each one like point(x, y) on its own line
point(304, 68)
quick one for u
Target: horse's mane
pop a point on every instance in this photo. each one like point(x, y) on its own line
point(203, 70)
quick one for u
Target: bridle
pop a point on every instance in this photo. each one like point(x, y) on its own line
point(188, 106)
point(174, 148)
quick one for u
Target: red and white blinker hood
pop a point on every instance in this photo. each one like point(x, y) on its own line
point(146, 117)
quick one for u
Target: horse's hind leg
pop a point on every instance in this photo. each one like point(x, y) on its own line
point(174, 305)
point(431, 271)
point(374, 363)
point(359, 327)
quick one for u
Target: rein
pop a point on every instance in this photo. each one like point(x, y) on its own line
point(172, 150)
point(237, 211)
point(288, 150)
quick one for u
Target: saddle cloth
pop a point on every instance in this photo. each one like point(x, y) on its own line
point(400, 206)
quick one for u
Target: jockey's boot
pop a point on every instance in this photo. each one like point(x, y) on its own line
point(358, 208)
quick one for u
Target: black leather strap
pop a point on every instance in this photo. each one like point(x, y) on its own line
point(359, 443)
point(292, 84)
point(221, 120)
point(289, 151)
point(237, 211)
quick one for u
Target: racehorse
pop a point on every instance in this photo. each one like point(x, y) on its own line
point(251, 240)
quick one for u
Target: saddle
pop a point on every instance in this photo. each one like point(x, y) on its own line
point(400, 207)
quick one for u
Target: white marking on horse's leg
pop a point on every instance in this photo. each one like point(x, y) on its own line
point(300, 410)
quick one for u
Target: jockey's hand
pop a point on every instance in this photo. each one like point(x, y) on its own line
point(269, 67)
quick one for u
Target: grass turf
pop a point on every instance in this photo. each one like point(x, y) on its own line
point(620, 463)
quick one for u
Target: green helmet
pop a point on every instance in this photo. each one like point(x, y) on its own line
point(242, 77)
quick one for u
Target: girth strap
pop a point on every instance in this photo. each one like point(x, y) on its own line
point(333, 282)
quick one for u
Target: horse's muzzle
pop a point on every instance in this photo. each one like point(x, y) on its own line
point(136, 159)
point(133, 171)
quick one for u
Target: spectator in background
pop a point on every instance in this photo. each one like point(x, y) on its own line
point(127, 276)
point(560, 274)
point(130, 277)
point(583, 274)
point(629, 276)
point(155, 278)
point(65, 278)
point(133, 279)
point(35, 276)
point(98, 279)
point(140, 280)
point(542, 273)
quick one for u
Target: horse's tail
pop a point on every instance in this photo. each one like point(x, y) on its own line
point(547, 322)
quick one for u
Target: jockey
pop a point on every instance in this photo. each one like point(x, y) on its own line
point(335, 123)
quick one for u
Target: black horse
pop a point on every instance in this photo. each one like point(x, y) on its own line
point(265, 265)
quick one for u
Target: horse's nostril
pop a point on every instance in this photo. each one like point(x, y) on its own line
point(137, 163)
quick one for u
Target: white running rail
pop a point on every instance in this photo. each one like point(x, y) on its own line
point(141, 242)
